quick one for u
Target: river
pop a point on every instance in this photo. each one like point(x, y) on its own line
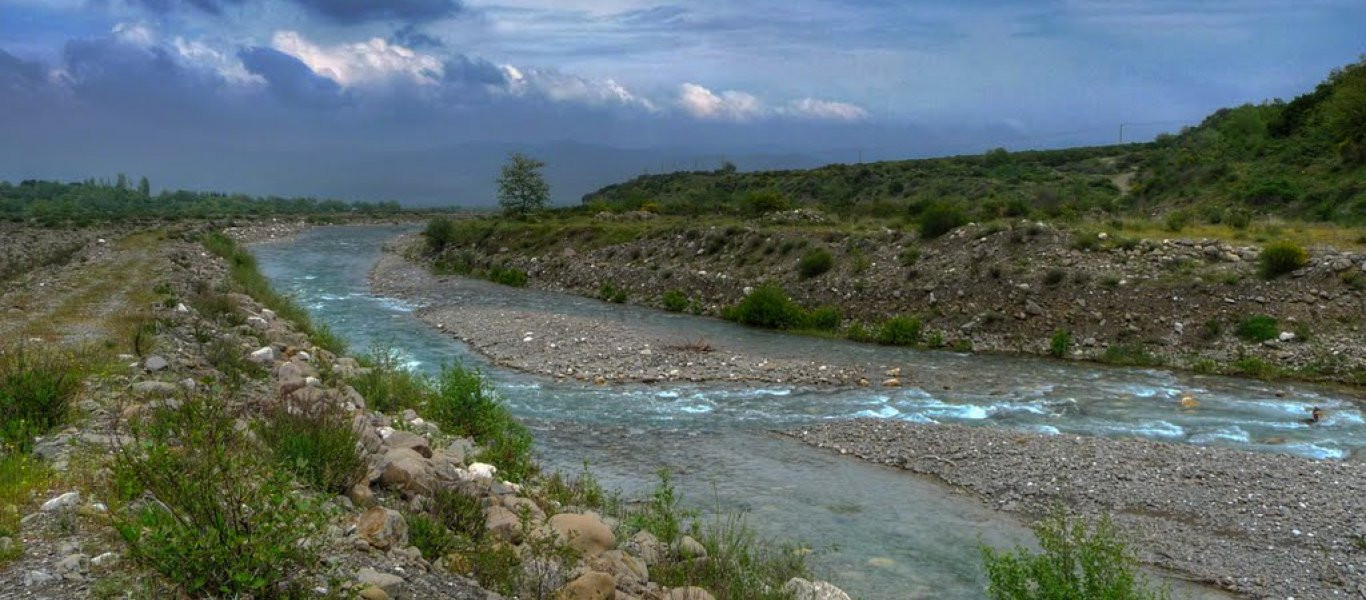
point(878, 532)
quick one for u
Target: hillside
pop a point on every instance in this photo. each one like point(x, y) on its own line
point(1303, 159)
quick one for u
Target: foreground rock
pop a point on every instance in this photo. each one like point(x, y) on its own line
point(1266, 525)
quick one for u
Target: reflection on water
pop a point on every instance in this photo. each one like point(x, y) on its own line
point(896, 534)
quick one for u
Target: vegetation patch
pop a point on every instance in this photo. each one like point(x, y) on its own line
point(815, 262)
point(1281, 258)
point(1258, 328)
point(1077, 561)
point(464, 404)
point(36, 392)
point(674, 301)
point(899, 331)
point(319, 446)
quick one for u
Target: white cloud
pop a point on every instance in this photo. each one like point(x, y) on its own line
point(137, 34)
point(815, 108)
point(226, 65)
point(728, 105)
point(373, 61)
point(562, 87)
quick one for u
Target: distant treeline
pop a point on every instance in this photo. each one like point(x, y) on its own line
point(1303, 159)
point(55, 203)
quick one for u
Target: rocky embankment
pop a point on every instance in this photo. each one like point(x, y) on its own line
point(71, 550)
point(602, 350)
point(1264, 525)
point(993, 288)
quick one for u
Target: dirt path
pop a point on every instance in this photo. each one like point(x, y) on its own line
point(97, 298)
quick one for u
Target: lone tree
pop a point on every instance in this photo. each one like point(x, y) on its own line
point(521, 189)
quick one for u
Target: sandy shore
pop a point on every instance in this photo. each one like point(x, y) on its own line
point(1264, 525)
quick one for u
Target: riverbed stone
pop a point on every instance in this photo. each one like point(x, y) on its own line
point(383, 528)
point(802, 589)
point(691, 592)
point(586, 533)
point(592, 585)
point(390, 583)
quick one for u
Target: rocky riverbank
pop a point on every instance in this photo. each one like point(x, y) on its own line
point(1263, 525)
point(996, 288)
point(600, 350)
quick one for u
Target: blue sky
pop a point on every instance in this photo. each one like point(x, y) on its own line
point(145, 85)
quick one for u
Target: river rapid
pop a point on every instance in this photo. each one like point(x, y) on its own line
point(878, 532)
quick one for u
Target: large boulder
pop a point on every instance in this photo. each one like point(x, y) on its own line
point(628, 570)
point(388, 582)
point(405, 469)
point(801, 589)
point(691, 592)
point(586, 533)
point(645, 545)
point(383, 528)
point(589, 586)
point(411, 441)
point(503, 523)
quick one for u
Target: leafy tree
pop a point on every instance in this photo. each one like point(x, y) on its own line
point(521, 188)
point(145, 187)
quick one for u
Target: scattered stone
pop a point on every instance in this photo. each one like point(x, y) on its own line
point(688, 593)
point(72, 566)
point(801, 589)
point(67, 501)
point(503, 523)
point(387, 582)
point(156, 389)
point(383, 528)
point(690, 548)
point(155, 363)
point(36, 577)
point(264, 356)
point(589, 586)
point(106, 560)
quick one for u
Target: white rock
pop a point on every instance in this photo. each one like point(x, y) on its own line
point(181, 308)
point(264, 355)
point(65, 501)
point(1286, 336)
point(33, 578)
point(482, 470)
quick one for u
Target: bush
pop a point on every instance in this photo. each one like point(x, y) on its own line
point(1280, 258)
point(825, 318)
point(1258, 328)
point(208, 513)
point(909, 255)
point(1132, 356)
point(387, 387)
point(1060, 343)
point(815, 262)
point(318, 446)
point(767, 306)
point(509, 276)
point(611, 293)
point(939, 219)
point(36, 391)
point(464, 404)
point(21, 477)
point(761, 202)
point(1076, 562)
point(440, 233)
point(1177, 220)
point(1055, 276)
point(899, 331)
point(675, 301)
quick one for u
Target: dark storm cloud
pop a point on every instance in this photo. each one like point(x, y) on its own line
point(344, 12)
point(18, 75)
point(115, 76)
point(349, 12)
point(464, 70)
point(291, 80)
point(409, 36)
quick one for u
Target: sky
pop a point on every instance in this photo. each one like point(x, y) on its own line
point(419, 100)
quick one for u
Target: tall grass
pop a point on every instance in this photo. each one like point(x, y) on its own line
point(465, 404)
point(247, 278)
point(319, 447)
point(199, 505)
point(36, 391)
point(387, 386)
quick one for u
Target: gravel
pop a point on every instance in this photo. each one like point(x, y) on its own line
point(1264, 525)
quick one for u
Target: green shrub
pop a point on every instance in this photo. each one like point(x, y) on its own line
point(582, 490)
point(909, 255)
point(675, 301)
point(1077, 562)
point(1258, 328)
point(815, 262)
point(36, 391)
point(1055, 276)
point(1133, 356)
point(1238, 218)
point(440, 232)
point(1060, 343)
point(1177, 220)
point(939, 219)
point(21, 478)
point(611, 293)
point(761, 202)
point(825, 318)
point(459, 513)
point(738, 564)
point(318, 446)
point(509, 276)
point(899, 331)
point(1251, 366)
point(464, 404)
point(208, 513)
point(858, 332)
point(767, 306)
point(386, 386)
point(1280, 258)
point(431, 537)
